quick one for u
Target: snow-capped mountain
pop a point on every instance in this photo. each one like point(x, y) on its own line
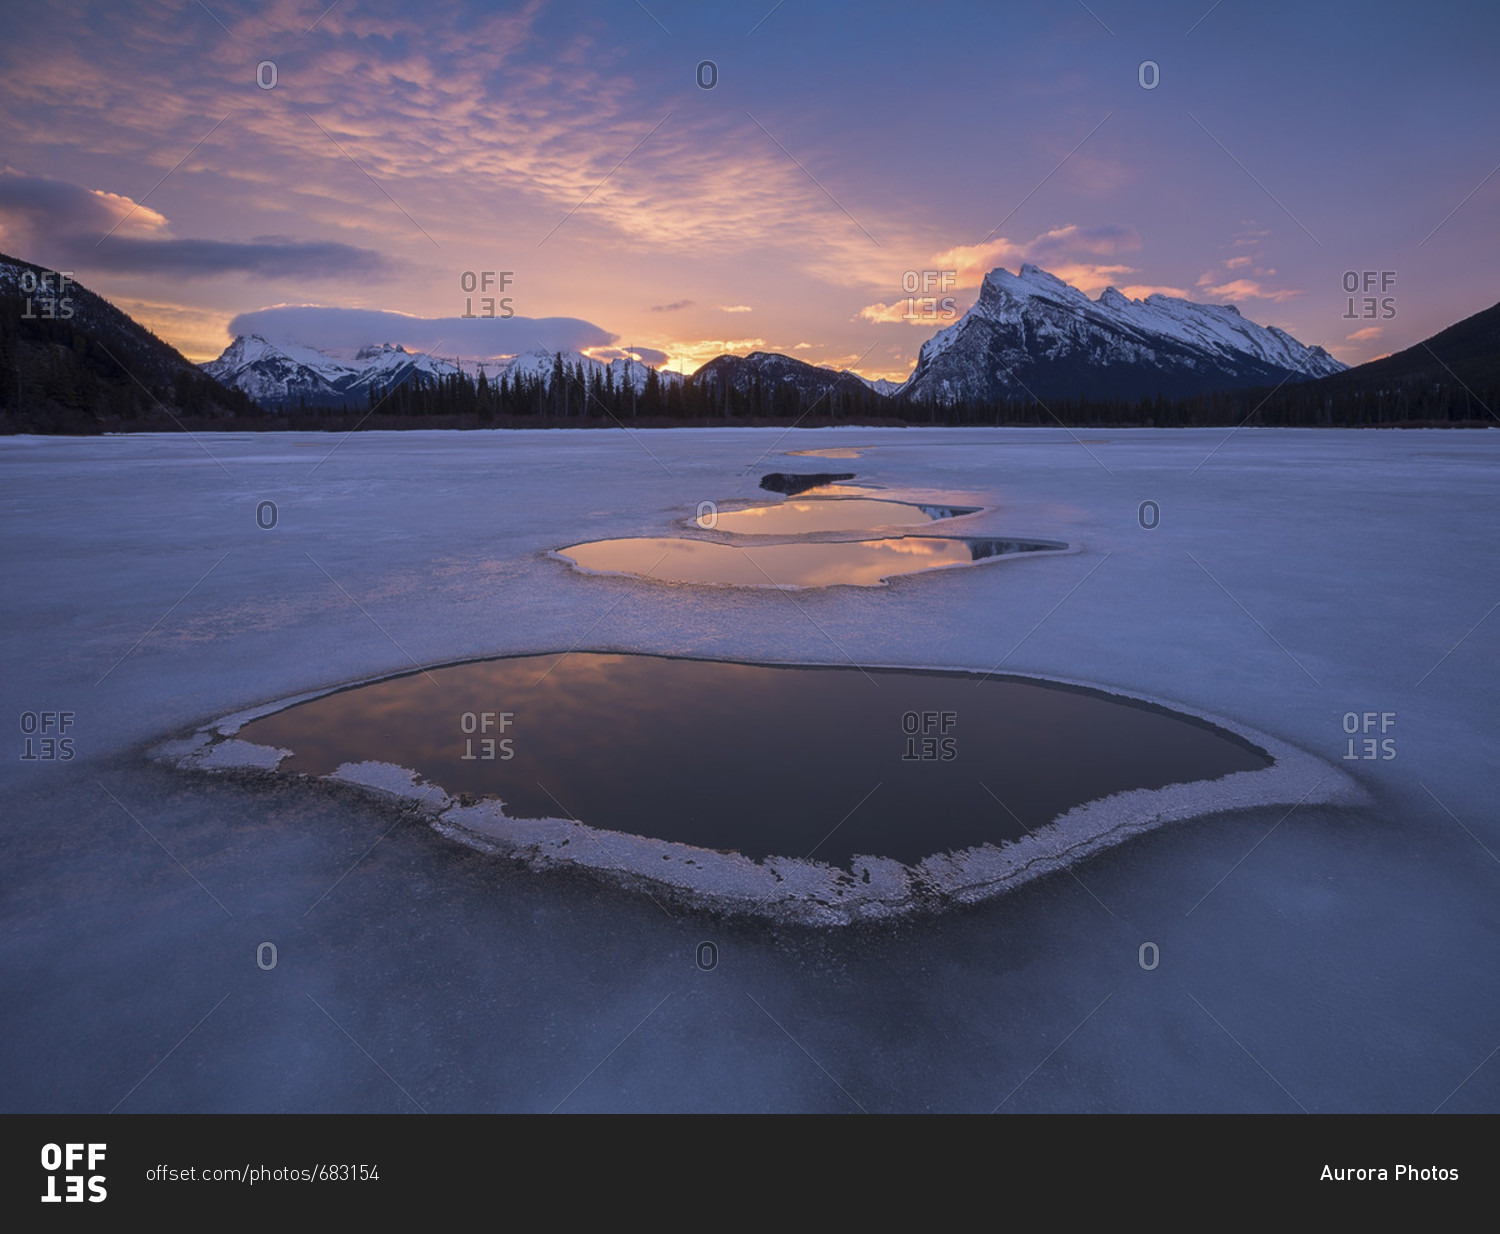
point(276, 374)
point(882, 385)
point(391, 364)
point(1034, 335)
point(281, 374)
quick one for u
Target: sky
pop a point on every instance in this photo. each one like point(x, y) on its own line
point(684, 179)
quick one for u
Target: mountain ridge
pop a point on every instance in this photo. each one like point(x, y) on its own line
point(1032, 335)
point(74, 362)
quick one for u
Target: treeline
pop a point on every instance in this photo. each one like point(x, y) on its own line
point(573, 392)
point(570, 394)
point(1318, 404)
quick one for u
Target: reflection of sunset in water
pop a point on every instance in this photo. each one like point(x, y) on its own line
point(764, 760)
point(840, 490)
point(858, 563)
point(811, 516)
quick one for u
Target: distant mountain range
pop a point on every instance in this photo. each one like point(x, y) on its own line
point(1027, 335)
point(88, 366)
point(1032, 335)
point(281, 374)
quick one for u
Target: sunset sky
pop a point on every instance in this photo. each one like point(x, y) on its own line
point(839, 146)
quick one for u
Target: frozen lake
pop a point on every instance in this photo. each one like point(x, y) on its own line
point(1298, 582)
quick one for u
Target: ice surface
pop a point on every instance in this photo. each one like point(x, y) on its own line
point(1295, 578)
point(234, 755)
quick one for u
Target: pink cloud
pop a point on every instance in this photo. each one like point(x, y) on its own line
point(1088, 277)
point(1139, 291)
point(972, 262)
point(914, 311)
point(1249, 289)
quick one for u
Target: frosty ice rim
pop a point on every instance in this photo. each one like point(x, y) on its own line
point(795, 890)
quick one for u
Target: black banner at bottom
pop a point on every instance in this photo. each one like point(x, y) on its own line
point(355, 1166)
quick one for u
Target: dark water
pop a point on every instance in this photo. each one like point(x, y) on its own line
point(769, 761)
